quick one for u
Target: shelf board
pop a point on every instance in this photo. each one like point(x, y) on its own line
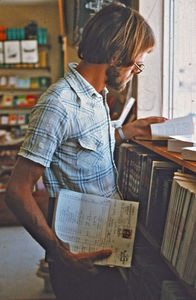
point(13, 90)
point(15, 108)
point(174, 156)
point(14, 144)
point(25, 69)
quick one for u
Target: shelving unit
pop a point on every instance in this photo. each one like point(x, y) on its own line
point(185, 166)
point(21, 84)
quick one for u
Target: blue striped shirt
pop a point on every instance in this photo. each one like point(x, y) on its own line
point(71, 134)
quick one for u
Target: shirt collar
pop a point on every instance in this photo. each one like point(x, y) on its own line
point(84, 90)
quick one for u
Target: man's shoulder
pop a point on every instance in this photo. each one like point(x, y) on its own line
point(59, 92)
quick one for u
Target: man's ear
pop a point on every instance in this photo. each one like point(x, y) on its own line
point(115, 60)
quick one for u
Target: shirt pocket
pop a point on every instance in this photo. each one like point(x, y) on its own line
point(90, 152)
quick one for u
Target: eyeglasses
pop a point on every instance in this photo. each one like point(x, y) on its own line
point(138, 68)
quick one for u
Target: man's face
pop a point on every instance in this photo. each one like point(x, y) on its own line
point(118, 77)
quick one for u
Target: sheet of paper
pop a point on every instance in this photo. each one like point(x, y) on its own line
point(174, 127)
point(89, 223)
point(126, 109)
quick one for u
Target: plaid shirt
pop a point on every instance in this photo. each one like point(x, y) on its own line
point(71, 134)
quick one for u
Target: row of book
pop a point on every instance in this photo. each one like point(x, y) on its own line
point(151, 179)
point(146, 177)
point(14, 119)
point(24, 82)
point(179, 240)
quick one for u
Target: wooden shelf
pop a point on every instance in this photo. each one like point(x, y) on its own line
point(175, 157)
point(16, 108)
point(14, 144)
point(13, 90)
point(25, 68)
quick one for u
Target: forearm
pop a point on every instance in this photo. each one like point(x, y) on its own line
point(19, 198)
point(25, 207)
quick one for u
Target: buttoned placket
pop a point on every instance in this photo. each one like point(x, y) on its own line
point(110, 141)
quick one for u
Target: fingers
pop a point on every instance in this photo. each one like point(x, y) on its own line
point(101, 254)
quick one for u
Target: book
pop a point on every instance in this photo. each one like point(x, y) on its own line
point(126, 168)
point(121, 163)
point(136, 159)
point(157, 167)
point(189, 275)
point(189, 153)
point(176, 145)
point(177, 199)
point(85, 223)
point(188, 237)
point(178, 244)
point(145, 185)
point(158, 199)
point(181, 226)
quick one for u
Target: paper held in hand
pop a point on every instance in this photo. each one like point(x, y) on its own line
point(174, 127)
point(89, 223)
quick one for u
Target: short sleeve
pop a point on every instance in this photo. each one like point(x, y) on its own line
point(47, 127)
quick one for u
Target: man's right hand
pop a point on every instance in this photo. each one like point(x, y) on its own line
point(76, 266)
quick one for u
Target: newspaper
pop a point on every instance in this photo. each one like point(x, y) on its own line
point(88, 223)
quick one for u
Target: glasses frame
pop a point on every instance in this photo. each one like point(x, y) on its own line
point(140, 68)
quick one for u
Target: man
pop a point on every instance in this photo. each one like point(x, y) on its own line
point(70, 141)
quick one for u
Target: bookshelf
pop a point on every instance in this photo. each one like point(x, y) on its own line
point(187, 167)
point(162, 150)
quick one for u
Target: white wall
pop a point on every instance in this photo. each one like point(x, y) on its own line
point(150, 81)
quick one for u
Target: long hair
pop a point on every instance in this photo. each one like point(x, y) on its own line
point(116, 30)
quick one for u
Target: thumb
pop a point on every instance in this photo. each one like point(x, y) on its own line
point(154, 119)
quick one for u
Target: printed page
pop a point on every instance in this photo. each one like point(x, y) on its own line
point(89, 223)
point(174, 127)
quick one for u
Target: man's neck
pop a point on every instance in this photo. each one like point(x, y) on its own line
point(94, 74)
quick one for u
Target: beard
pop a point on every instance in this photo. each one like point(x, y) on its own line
point(113, 79)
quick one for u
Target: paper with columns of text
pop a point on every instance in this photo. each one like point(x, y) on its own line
point(174, 127)
point(89, 223)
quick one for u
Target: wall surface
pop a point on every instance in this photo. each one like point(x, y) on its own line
point(150, 81)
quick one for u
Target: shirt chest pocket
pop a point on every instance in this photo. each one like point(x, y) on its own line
point(90, 151)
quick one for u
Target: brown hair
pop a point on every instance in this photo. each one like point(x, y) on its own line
point(116, 30)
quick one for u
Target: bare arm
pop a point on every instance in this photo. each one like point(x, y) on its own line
point(20, 200)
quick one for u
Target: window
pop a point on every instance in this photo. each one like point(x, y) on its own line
point(179, 58)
